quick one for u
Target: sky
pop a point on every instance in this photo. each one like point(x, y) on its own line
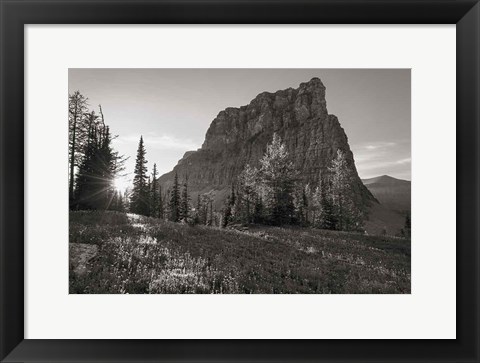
point(173, 108)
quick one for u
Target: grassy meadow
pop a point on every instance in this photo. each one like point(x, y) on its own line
point(114, 252)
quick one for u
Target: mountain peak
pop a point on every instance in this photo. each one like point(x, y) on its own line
point(384, 179)
point(269, 112)
point(239, 136)
point(314, 82)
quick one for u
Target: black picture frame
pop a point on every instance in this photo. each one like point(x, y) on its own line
point(15, 14)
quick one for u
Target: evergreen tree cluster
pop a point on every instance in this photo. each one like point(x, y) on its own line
point(146, 196)
point(140, 196)
point(274, 194)
point(271, 194)
point(93, 164)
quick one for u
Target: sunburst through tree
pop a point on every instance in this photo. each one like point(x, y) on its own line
point(93, 187)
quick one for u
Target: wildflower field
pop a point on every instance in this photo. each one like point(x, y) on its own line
point(114, 252)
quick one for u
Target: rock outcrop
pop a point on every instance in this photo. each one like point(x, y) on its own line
point(239, 136)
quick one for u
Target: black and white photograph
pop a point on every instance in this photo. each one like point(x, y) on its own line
point(239, 181)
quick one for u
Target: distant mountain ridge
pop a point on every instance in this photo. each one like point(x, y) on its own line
point(394, 196)
point(391, 192)
point(385, 180)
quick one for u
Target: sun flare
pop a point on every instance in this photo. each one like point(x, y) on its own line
point(120, 184)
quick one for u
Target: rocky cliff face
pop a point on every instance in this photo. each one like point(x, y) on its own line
point(239, 136)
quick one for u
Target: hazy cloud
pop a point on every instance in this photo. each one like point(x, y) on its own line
point(379, 145)
point(378, 158)
point(160, 142)
point(404, 161)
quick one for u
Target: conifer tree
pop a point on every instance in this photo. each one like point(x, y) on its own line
point(166, 204)
point(184, 209)
point(106, 165)
point(227, 211)
point(154, 194)
point(149, 196)
point(201, 209)
point(161, 209)
point(211, 220)
point(174, 204)
point(278, 176)
point(345, 210)
point(208, 199)
point(139, 199)
point(246, 195)
point(328, 217)
point(77, 136)
point(94, 182)
point(85, 180)
point(196, 210)
point(301, 203)
point(316, 205)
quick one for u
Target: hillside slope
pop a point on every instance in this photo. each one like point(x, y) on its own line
point(135, 254)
